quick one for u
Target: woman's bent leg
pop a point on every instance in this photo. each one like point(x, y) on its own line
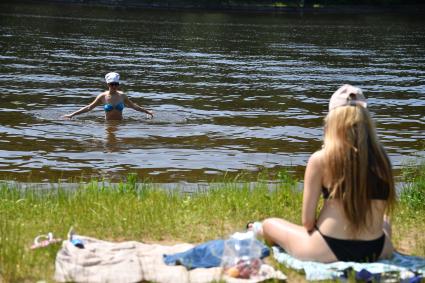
point(295, 240)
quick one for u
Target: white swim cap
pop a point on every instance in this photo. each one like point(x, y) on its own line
point(112, 77)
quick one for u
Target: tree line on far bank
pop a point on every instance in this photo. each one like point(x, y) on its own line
point(327, 2)
point(279, 5)
point(361, 2)
point(299, 3)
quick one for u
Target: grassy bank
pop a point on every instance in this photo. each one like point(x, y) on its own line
point(409, 217)
point(147, 213)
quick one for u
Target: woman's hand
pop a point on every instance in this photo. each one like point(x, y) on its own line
point(149, 114)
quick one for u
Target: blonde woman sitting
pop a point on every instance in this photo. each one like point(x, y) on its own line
point(353, 174)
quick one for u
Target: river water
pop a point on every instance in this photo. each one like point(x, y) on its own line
point(232, 92)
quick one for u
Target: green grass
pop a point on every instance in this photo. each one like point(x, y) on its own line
point(413, 193)
point(409, 218)
point(128, 211)
point(147, 213)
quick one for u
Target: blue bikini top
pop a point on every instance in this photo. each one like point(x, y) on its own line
point(109, 107)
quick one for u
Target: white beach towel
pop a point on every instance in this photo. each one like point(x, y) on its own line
point(102, 261)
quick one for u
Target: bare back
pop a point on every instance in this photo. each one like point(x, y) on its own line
point(332, 221)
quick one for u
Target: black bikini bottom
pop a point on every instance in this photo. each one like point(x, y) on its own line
point(355, 250)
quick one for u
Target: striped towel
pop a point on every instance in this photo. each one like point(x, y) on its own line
point(400, 267)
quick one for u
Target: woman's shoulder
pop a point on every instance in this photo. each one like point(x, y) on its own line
point(103, 94)
point(316, 163)
point(317, 157)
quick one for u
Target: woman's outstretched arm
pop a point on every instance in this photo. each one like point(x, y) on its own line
point(136, 107)
point(86, 108)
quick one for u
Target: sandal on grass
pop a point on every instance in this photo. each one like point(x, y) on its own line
point(48, 240)
point(256, 227)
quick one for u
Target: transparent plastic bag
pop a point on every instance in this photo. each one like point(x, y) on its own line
point(242, 255)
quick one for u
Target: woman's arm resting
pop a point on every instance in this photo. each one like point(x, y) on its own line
point(312, 189)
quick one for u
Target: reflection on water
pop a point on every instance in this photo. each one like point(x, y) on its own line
point(111, 141)
point(231, 92)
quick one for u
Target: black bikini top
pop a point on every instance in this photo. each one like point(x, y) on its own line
point(380, 190)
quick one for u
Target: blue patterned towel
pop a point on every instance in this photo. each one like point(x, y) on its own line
point(407, 268)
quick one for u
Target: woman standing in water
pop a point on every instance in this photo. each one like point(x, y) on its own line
point(354, 175)
point(113, 101)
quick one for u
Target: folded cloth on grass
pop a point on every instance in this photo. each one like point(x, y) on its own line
point(209, 254)
point(102, 261)
point(400, 267)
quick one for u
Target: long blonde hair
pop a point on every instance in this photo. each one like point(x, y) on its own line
point(352, 152)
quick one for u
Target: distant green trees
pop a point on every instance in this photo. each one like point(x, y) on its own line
point(355, 2)
point(233, 3)
point(370, 2)
point(327, 2)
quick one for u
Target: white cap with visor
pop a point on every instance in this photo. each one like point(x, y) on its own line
point(112, 77)
point(347, 95)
